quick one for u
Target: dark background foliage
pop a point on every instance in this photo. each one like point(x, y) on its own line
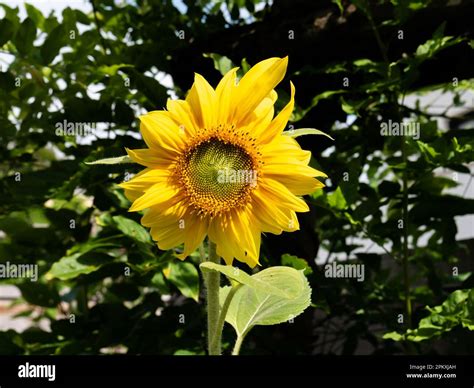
point(104, 287)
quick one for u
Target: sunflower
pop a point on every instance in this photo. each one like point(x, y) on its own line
point(219, 165)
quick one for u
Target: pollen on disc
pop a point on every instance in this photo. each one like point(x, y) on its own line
point(217, 175)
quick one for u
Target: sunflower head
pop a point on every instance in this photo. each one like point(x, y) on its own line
point(213, 172)
point(219, 165)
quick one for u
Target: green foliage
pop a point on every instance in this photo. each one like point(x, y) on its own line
point(259, 305)
point(83, 259)
point(297, 263)
point(7, 30)
point(305, 131)
point(185, 276)
point(24, 37)
point(61, 208)
point(432, 46)
point(221, 63)
point(131, 229)
point(116, 160)
point(456, 310)
point(242, 277)
point(55, 40)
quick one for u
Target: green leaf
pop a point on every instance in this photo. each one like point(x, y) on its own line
point(336, 199)
point(428, 152)
point(250, 306)
point(158, 281)
point(185, 277)
point(100, 244)
point(370, 66)
point(113, 69)
point(116, 160)
point(244, 66)
point(52, 44)
point(351, 219)
point(40, 294)
point(25, 36)
point(339, 5)
point(305, 131)
point(7, 83)
point(7, 29)
point(83, 259)
point(132, 229)
point(296, 263)
point(393, 335)
point(69, 18)
point(81, 17)
point(352, 107)
point(188, 352)
point(456, 310)
point(154, 91)
point(436, 44)
point(221, 63)
point(70, 267)
point(9, 341)
point(35, 14)
point(240, 276)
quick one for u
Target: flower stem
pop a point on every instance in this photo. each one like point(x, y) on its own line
point(238, 344)
point(406, 275)
point(220, 323)
point(212, 280)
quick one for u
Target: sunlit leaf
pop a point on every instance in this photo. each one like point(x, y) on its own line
point(116, 160)
point(132, 229)
point(242, 277)
point(185, 277)
point(305, 131)
point(253, 306)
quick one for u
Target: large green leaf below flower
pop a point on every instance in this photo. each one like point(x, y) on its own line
point(252, 306)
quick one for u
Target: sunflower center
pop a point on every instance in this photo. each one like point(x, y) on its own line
point(217, 175)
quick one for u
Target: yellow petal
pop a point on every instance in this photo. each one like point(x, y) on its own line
point(167, 238)
point(278, 124)
point(149, 158)
point(257, 84)
point(278, 193)
point(298, 184)
point(225, 94)
point(249, 230)
point(156, 217)
point(162, 195)
point(132, 195)
point(161, 132)
point(285, 148)
point(146, 178)
point(166, 225)
point(291, 167)
point(237, 238)
point(202, 100)
point(181, 113)
point(195, 231)
point(262, 116)
point(273, 217)
point(227, 246)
